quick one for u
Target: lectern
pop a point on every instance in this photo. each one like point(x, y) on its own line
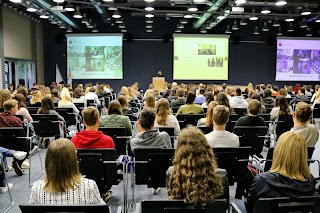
point(159, 82)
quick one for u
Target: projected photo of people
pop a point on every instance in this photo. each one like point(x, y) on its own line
point(301, 61)
point(207, 49)
point(315, 62)
point(284, 60)
point(215, 62)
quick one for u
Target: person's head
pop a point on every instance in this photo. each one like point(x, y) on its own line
point(256, 96)
point(202, 91)
point(250, 93)
point(228, 91)
point(191, 96)
point(238, 92)
point(35, 85)
point(77, 92)
point(65, 96)
point(11, 106)
point(162, 110)
point(224, 86)
point(209, 97)
point(147, 117)
point(159, 73)
point(21, 100)
point(123, 101)
point(114, 108)
point(302, 112)
point(23, 91)
point(302, 91)
point(194, 163)
point(55, 93)
point(267, 93)
point(258, 88)
point(220, 115)
point(92, 89)
point(61, 166)
point(180, 92)
point(254, 107)
point(290, 157)
point(46, 105)
point(91, 117)
point(150, 101)
point(283, 105)
point(4, 96)
point(283, 92)
point(222, 99)
point(211, 106)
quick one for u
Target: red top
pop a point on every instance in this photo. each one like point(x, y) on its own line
point(7, 119)
point(92, 139)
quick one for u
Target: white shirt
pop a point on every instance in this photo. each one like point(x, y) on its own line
point(170, 122)
point(92, 96)
point(222, 138)
point(86, 192)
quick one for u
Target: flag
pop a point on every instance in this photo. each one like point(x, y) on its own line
point(58, 75)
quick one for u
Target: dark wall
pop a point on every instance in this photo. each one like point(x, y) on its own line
point(248, 61)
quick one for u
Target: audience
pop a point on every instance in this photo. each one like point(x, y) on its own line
point(22, 107)
point(47, 107)
point(267, 99)
point(66, 101)
point(124, 105)
point(281, 108)
point(222, 99)
point(300, 96)
point(77, 97)
point(219, 137)
point(238, 101)
point(36, 98)
point(91, 95)
point(190, 107)
point(64, 184)
point(209, 98)
point(252, 119)
point(180, 98)
point(207, 121)
point(150, 101)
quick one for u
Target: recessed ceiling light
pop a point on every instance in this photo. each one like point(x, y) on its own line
point(240, 1)
point(16, 1)
point(281, 2)
point(149, 26)
point(58, 1)
point(149, 0)
point(149, 21)
point(69, 7)
point(122, 26)
point(188, 16)
point(149, 15)
point(149, 31)
point(290, 19)
point(44, 16)
point(178, 31)
point(31, 8)
point(107, 0)
point(149, 8)
point(124, 30)
point(199, 1)
point(192, 8)
point(221, 16)
point(112, 8)
point(116, 14)
point(318, 21)
point(306, 10)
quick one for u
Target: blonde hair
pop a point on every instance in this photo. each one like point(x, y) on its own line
point(65, 97)
point(124, 91)
point(290, 157)
point(250, 86)
point(163, 110)
point(87, 90)
point(150, 101)
point(61, 166)
point(36, 97)
point(211, 106)
point(10, 104)
point(4, 96)
point(194, 178)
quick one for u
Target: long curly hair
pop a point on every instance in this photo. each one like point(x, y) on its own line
point(4, 96)
point(163, 110)
point(222, 99)
point(194, 178)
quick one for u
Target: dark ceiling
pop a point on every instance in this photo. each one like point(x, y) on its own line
point(169, 13)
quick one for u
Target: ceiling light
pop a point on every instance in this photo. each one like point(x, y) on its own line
point(44, 16)
point(180, 26)
point(149, 8)
point(31, 8)
point(148, 26)
point(183, 21)
point(265, 10)
point(69, 7)
point(243, 21)
point(149, 21)
point(290, 28)
point(149, 15)
point(305, 11)
point(69, 30)
point(121, 26)
point(281, 2)
point(308, 32)
point(53, 21)
point(303, 24)
point(235, 26)
point(256, 31)
point(227, 9)
point(199, 1)
point(149, 0)
point(208, 27)
point(178, 31)
point(58, 1)
point(289, 19)
point(228, 30)
point(116, 14)
point(188, 16)
point(77, 14)
point(253, 17)
point(124, 30)
point(107, 0)
point(192, 8)
point(119, 21)
point(90, 26)
point(95, 29)
point(16, 1)
point(62, 26)
point(276, 23)
point(85, 19)
point(221, 16)
point(240, 1)
point(203, 30)
point(265, 27)
point(279, 32)
point(111, 7)
point(318, 20)
point(149, 31)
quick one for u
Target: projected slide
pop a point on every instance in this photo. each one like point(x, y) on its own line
point(200, 57)
point(298, 59)
point(94, 57)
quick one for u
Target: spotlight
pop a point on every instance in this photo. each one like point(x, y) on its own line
point(69, 30)
point(149, 8)
point(183, 21)
point(238, 2)
point(306, 10)
point(31, 8)
point(149, 21)
point(303, 23)
point(243, 21)
point(266, 9)
point(203, 30)
point(69, 7)
point(180, 26)
point(253, 17)
point(279, 32)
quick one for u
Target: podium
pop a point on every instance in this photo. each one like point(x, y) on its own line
point(159, 82)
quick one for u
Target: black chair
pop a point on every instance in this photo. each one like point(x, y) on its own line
point(64, 208)
point(316, 111)
point(55, 104)
point(119, 136)
point(91, 103)
point(80, 106)
point(268, 108)
point(252, 136)
point(68, 115)
point(304, 204)
point(232, 122)
point(178, 206)
point(175, 109)
point(99, 165)
point(46, 125)
point(266, 117)
point(240, 111)
point(205, 130)
point(33, 110)
point(170, 131)
point(284, 124)
point(188, 119)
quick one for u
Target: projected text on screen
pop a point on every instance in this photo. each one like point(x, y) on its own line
point(298, 59)
point(200, 58)
point(95, 57)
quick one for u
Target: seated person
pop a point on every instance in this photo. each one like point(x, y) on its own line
point(47, 107)
point(267, 99)
point(301, 96)
point(35, 100)
point(301, 117)
point(289, 175)
point(64, 184)
point(22, 106)
point(115, 118)
point(8, 153)
point(190, 107)
point(238, 100)
point(207, 121)
point(219, 137)
point(252, 119)
point(200, 99)
point(180, 98)
point(91, 137)
point(66, 101)
point(195, 177)
point(91, 95)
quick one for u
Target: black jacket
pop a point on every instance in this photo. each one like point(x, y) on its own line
point(270, 185)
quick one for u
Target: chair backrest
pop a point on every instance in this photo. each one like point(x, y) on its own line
point(189, 119)
point(154, 163)
point(232, 122)
point(232, 160)
point(240, 111)
point(33, 110)
point(68, 115)
point(9, 138)
point(252, 136)
point(170, 131)
point(178, 206)
point(20, 117)
point(284, 124)
point(64, 208)
point(174, 109)
point(316, 111)
point(92, 164)
point(46, 125)
point(266, 117)
point(205, 129)
point(91, 103)
point(114, 133)
point(287, 205)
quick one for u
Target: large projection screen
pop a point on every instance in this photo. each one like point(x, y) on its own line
point(94, 56)
point(298, 59)
point(200, 57)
